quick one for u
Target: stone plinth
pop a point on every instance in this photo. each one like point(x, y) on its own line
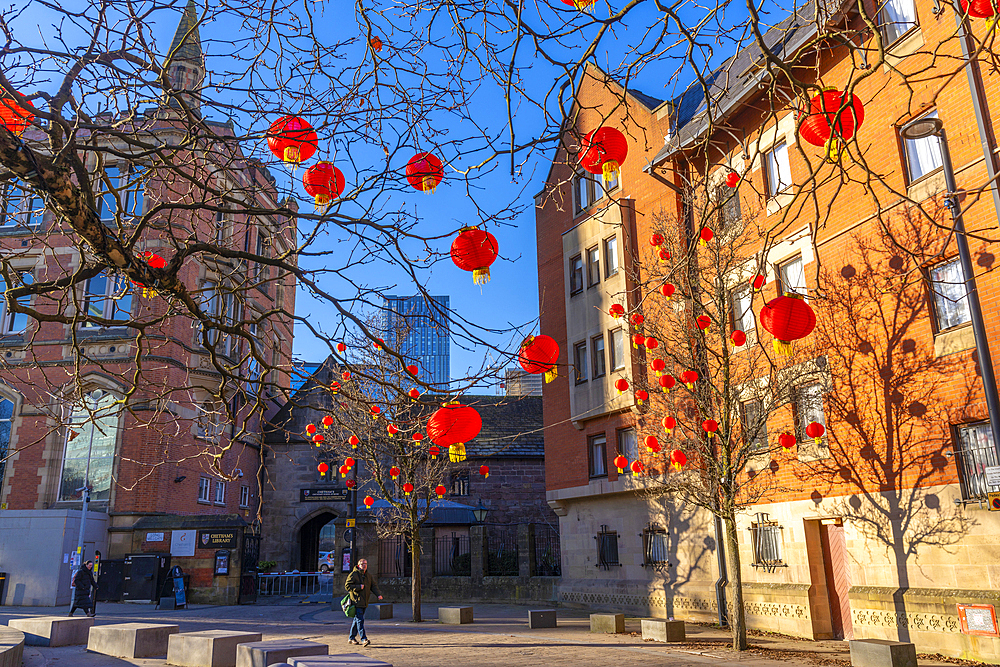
point(131, 640)
point(882, 653)
point(54, 630)
point(541, 618)
point(454, 615)
point(383, 611)
point(613, 623)
point(208, 648)
point(262, 654)
point(343, 660)
point(11, 647)
point(660, 630)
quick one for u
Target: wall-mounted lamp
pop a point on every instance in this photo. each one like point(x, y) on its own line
point(179, 479)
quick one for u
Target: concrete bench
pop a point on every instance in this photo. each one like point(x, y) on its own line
point(660, 630)
point(454, 615)
point(882, 653)
point(262, 654)
point(11, 647)
point(131, 640)
point(54, 630)
point(614, 623)
point(207, 648)
point(382, 611)
point(541, 618)
point(343, 660)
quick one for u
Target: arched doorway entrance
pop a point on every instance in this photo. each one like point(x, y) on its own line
point(318, 534)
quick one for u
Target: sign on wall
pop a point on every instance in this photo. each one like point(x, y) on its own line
point(154, 537)
point(324, 495)
point(217, 539)
point(183, 542)
point(978, 619)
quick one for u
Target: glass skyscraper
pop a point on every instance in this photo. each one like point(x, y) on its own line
point(419, 334)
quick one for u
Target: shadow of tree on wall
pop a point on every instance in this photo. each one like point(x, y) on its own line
point(892, 402)
point(687, 528)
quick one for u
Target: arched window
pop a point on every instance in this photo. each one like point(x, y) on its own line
point(6, 426)
point(91, 434)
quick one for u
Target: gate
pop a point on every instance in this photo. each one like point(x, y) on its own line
point(248, 569)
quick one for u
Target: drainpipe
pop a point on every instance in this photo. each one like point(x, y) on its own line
point(723, 580)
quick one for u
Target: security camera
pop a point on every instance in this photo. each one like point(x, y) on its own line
point(239, 473)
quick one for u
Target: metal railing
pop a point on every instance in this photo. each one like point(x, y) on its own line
point(293, 583)
point(452, 557)
point(501, 551)
point(394, 558)
point(975, 454)
point(547, 558)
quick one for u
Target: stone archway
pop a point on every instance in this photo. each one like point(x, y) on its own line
point(307, 535)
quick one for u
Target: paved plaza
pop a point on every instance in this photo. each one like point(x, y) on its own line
point(499, 636)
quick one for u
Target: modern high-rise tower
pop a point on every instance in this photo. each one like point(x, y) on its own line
point(418, 329)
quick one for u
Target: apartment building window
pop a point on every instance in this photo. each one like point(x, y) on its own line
point(792, 277)
point(628, 444)
point(107, 297)
point(460, 483)
point(597, 446)
point(610, 256)
point(10, 322)
point(654, 546)
point(593, 267)
point(580, 361)
point(597, 351)
point(222, 225)
point(975, 452)
point(21, 206)
point(754, 425)
point(779, 172)
point(204, 490)
point(765, 538)
point(808, 407)
point(951, 303)
point(923, 155)
point(576, 274)
point(220, 493)
point(207, 422)
point(123, 200)
point(897, 17)
point(607, 549)
point(728, 201)
point(583, 191)
point(244, 496)
point(616, 351)
point(743, 315)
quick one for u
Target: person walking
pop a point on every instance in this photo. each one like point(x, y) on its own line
point(85, 589)
point(360, 586)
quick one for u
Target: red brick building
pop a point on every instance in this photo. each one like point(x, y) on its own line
point(877, 529)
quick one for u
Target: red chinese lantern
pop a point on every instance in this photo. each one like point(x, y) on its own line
point(689, 378)
point(664, 255)
point(579, 4)
point(758, 282)
point(652, 344)
point(786, 440)
point(704, 322)
point(732, 179)
point(375, 410)
point(350, 483)
point(322, 467)
point(638, 340)
point(414, 393)
point(345, 376)
point(980, 9)
point(787, 318)
point(394, 472)
point(407, 488)
point(678, 459)
point(669, 424)
point(657, 366)
point(418, 436)
point(354, 441)
point(424, 171)
point(434, 451)
point(641, 396)
point(616, 310)
point(452, 426)
point(603, 151)
point(539, 354)
point(815, 430)
point(14, 117)
point(327, 421)
point(349, 462)
point(412, 369)
point(392, 429)
point(637, 468)
point(828, 125)
point(667, 289)
point(323, 182)
point(475, 250)
point(375, 43)
point(318, 439)
point(652, 443)
point(739, 338)
point(378, 344)
point(334, 387)
point(291, 139)
point(484, 471)
point(344, 470)
point(440, 490)
point(310, 429)
point(637, 319)
point(621, 463)
point(666, 383)
point(369, 501)
point(711, 427)
point(341, 347)
point(656, 240)
point(621, 384)
point(706, 235)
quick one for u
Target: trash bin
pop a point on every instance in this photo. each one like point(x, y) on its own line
point(3, 588)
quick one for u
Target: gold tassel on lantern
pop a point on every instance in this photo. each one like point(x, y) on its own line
point(834, 147)
point(429, 184)
point(481, 276)
point(782, 347)
point(610, 170)
point(551, 375)
point(456, 453)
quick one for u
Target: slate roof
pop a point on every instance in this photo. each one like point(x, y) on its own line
point(512, 427)
point(173, 522)
point(648, 101)
point(443, 512)
point(187, 39)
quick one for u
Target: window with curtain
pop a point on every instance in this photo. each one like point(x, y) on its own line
point(923, 155)
point(743, 315)
point(616, 351)
point(897, 17)
point(597, 351)
point(11, 322)
point(792, 277)
point(593, 267)
point(21, 206)
point(576, 274)
point(610, 256)
point(107, 297)
point(951, 303)
point(204, 490)
point(628, 444)
point(6, 428)
point(91, 434)
point(808, 408)
point(597, 445)
point(779, 172)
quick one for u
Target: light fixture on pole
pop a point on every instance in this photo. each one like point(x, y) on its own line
point(479, 513)
point(933, 127)
point(94, 397)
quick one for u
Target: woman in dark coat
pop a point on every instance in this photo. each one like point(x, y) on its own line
point(85, 587)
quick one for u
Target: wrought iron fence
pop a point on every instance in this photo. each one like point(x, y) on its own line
point(501, 551)
point(451, 556)
point(547, 559)
point(975, 453)
point(394, 558)
point(293, 583)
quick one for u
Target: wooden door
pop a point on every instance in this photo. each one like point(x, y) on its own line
point(838, 581)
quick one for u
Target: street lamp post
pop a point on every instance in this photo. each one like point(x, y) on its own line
point(927, 127)
point(95, 396)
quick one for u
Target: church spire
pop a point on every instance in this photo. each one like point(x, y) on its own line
point(186, 71)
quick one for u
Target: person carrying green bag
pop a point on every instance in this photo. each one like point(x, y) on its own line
point(360, 586)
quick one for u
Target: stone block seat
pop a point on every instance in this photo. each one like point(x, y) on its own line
point(882, 653)
point(660, 630)
point(207, 648)
point(262, 654)
point(343, 660)
point(53, 630)
point(541, 618)
point(454, 615)
point(383, 610)
point(131, 640)
point(11, 647)
point(613, 623)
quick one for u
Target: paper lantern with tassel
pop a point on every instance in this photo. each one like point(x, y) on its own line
point(484, 471)
point(815, 430)
point(407, 488)
point(621, 384)
point(637, 468)
point(666, 383)
point(652, 443)
point(667, 289)
point(424, 171)
point(739, 338)
point(603, 151)
point(638, 340)
point(787, 318)
point(322, 467)
point(641, 396)
point(394, 472)
point(291, 139)
point(539, 354)
point(678, 459)
point(689, 378)
point(452, 426)
point(657, 366)
point(440, 490)
point(369, 501)
point(711, 427)
point(786, 440)
point(621, 463)
point(616, 310)
point(669, 424)
point(475, 250)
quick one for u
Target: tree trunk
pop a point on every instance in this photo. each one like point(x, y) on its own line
point(737, 615)
point(415, 549)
